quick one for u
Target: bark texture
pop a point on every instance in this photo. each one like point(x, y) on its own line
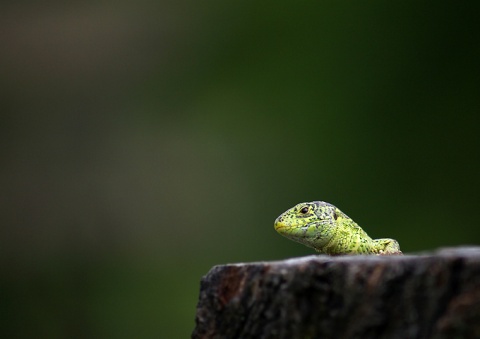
point(433, 295)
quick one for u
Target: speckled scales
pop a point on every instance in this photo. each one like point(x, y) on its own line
point(328, 230)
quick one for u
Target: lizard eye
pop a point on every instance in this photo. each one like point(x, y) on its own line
point(335, 215)
point(304, 210)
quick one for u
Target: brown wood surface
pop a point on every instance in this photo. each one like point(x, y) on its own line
point(433, 295)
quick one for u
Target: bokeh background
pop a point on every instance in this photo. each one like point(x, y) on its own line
point(144, 142)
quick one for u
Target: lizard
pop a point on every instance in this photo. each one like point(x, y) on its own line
point(325, 228)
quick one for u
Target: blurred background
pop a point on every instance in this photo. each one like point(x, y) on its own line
point(144, 142)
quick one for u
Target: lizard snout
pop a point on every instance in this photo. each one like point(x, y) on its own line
point(279, 223)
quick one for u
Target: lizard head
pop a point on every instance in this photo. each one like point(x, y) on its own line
point(309, 223)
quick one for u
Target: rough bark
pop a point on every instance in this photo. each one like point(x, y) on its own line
point(413, 296)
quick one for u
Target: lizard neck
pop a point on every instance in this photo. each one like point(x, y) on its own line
point(349, 238)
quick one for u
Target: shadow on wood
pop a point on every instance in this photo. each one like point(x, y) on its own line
point(413, 296)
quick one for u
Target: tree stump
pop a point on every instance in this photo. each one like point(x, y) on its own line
point(434, 295)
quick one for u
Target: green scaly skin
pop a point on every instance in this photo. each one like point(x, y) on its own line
point(328, 230)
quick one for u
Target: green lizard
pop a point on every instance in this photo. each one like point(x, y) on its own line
point(328, 230)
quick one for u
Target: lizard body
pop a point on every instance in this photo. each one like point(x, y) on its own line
point(328, 230)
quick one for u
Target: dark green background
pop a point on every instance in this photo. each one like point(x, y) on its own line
point(145, 142)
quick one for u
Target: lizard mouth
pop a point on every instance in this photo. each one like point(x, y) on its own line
point(279, 224)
